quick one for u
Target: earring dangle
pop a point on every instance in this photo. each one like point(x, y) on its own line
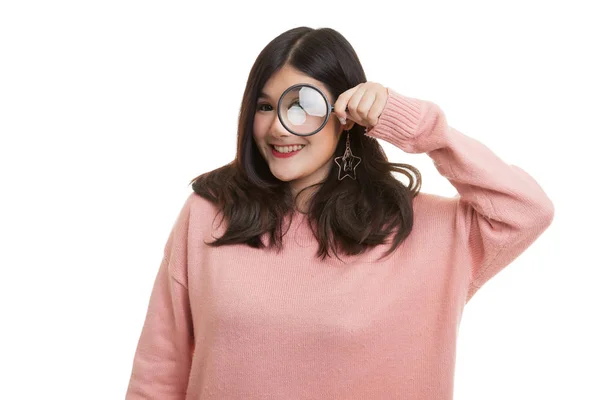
point(348, 162)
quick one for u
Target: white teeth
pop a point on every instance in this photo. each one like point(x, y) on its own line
point(288, 149)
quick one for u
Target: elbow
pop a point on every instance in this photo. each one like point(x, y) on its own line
point(536, 217)
point(543, 216)
point(548, 215)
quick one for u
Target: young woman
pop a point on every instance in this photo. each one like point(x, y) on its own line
point(304, 269)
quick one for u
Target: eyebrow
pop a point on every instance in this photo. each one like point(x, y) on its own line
point(263, 95)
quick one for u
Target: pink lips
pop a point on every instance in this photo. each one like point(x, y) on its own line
point(284, 155)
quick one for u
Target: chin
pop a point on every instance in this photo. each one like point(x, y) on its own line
point(284, 177)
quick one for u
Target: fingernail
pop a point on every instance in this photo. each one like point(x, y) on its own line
point(343, 121)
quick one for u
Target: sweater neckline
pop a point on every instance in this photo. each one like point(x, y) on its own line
point(300, 236)
point(299, 231)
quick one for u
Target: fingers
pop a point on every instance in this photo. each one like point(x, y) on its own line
point(362, 104)
point(376, 109)
point(341, 103)
point(353, 105)
point(364, 107)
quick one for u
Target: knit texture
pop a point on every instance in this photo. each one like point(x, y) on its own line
point(240, 323)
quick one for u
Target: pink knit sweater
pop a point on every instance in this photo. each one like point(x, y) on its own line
point(240, 323)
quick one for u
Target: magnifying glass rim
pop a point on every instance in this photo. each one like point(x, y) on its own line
point(329, 109)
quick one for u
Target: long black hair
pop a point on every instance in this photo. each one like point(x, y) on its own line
point(350, 216)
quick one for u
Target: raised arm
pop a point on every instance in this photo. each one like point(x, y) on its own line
point(500, 209)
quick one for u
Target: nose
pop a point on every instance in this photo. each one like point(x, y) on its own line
point(277, 129)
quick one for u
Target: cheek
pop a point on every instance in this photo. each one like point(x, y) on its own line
point(255, 126)
point(333, 137)
point(257, 133)
point(259, 127)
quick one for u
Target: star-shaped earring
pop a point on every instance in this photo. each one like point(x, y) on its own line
point(349, 161)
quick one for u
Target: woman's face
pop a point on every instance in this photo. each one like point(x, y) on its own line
point(312, 163)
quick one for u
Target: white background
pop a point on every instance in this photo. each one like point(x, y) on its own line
point(108, 110)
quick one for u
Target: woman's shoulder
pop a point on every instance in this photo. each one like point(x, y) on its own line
point(203, 215)
point(199, 206)
point(430, 205)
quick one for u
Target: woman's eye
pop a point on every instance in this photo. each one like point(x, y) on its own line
point(261, 107)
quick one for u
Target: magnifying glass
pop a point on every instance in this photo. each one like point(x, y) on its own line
point(303, 109)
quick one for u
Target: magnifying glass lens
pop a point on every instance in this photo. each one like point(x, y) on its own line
point(303, 110)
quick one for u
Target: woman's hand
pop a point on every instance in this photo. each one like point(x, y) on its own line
point(365, 103)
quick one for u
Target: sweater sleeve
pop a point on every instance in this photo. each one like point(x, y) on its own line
point(164, 352)
point(500, 210)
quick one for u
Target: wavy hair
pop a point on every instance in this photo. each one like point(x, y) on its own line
point(350, 216)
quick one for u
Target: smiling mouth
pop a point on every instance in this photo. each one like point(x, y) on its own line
point(278, 154)
point(288, 146)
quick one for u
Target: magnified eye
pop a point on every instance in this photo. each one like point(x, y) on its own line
point(296, 115)
point(295, 103)
point(303, 109)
